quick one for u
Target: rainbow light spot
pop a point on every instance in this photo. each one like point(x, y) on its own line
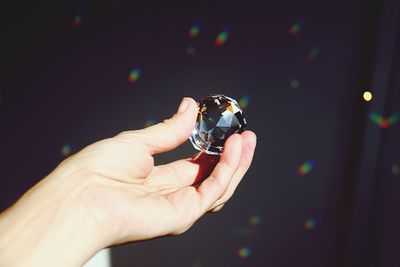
point(310, 224)
point(306, 167)
point(383, 122)
point(244, 252)
point(396, 169)
point(76, 22)
point(194, 31)
point(134, 75)
point(244, 101)
point(222, 38)
point(149, 122)
point(296, 27)
point(314, 52)
point(66, 150)
point(255, 220)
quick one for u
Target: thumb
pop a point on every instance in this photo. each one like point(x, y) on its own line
point(172, 132)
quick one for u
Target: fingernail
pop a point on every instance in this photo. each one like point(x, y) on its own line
point(183, 106)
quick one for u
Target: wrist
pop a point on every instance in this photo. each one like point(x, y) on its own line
point(48, 227)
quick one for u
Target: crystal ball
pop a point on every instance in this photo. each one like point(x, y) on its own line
point(219, 117)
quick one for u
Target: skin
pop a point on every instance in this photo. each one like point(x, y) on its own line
point(111, 193)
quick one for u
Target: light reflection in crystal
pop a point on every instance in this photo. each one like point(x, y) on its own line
point(219, 117)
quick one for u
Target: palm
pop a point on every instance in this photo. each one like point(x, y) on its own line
point(133, 199)
point(167, 195)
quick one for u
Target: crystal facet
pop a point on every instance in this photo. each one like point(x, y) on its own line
point(219, 117)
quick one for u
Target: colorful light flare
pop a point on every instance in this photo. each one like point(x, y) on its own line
point(194, 30)
point(244, 252)
point(134, 75)
point(310, 224)
point(383, 122)
point(222, 38)
point(306, 167)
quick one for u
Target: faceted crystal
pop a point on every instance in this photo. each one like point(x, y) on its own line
point(219, 117)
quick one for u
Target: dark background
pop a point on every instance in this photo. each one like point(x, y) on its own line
point(68, 86)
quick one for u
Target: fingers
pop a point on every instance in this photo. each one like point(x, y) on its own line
point(185, 172)
point(248, 147)
point(217, 208)
point(190, 171)
point(215, 186)
point(170, 133)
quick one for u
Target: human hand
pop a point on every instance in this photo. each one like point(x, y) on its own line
point(111, 193)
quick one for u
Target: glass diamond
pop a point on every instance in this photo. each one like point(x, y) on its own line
point(219, 117)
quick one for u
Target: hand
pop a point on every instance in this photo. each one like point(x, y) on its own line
point(111, 193)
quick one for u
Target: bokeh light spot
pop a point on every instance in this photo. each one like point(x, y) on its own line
point(367, 95)
point(396, 169)
point(310, 224)
point(383, 122)
point(222, 38)
point(194, 30)
point(295, 84)
point(313, 54)
point(393, 118)
point(134, 75)
point(244, 101)
point(296, 27)
point(255, 220)
point(66, 150)
point(244, 252)
point(76, 21)
point(306, 167)
point(191, 50)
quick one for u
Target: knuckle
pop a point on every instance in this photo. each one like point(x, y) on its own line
point(218, 208)
point(218, 183)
